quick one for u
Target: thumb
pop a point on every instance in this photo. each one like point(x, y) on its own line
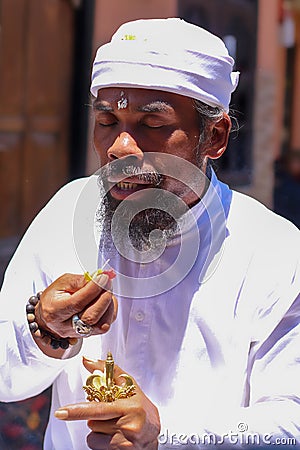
point(93, 364)
point(97, 364)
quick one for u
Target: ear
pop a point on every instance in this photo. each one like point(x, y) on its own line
point(219, 137)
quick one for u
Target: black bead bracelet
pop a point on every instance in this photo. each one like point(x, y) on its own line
point(44, 335)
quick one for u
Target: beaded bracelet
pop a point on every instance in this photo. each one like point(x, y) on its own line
point(46, 336)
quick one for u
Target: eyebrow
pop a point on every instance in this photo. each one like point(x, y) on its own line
point(99, 105)
point(154, 107)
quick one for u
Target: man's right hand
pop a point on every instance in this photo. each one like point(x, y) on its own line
point(72, 294)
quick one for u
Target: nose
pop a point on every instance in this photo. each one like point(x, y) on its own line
point(124, 145)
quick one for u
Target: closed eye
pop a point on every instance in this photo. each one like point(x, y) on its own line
point(152, 125)
point(154, 122)
point(106, 120)
point(106, 124)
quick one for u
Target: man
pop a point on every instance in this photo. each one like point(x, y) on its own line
point(207, 280)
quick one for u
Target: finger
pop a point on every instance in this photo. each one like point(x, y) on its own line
point(98, 441)
point(106, 320)
point(115, 302)
point(91, 411)
point(95, 311)
point(68, 283)
point(50, 309)
point(82, 297)
point(117, 441)
point(91, 364)
point(103, 426)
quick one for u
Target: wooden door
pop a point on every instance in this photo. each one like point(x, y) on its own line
point(36, 47)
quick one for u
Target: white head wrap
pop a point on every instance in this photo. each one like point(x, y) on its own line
point(169, 55)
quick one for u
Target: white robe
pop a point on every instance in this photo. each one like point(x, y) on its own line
point(219, 353)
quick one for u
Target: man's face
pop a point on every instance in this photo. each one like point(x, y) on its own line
point(130, 123)
point(148, 143)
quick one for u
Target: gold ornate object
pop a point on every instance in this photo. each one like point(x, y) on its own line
point(102, 387)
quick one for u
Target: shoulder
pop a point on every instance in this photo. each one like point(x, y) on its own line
point(56, 217)
point(273, 245)
point(69, 192)
point(65, 200)
point(249, 217)
point(272, 242)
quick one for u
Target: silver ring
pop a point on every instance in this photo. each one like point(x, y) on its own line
point(81, 328)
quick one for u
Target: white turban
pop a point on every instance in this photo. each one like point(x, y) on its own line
point(168, 55)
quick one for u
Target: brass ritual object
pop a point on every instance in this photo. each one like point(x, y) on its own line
point(101, 387)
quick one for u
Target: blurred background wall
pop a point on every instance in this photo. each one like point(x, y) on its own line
point(46, 51)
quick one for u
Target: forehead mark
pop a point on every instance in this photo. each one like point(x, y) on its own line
point(123, 102)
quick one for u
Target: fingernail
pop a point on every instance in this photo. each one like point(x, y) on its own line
point(101, 279)
point(105, 327)
point(61, 414)
point(94, 361)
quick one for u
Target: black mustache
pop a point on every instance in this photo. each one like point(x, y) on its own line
point(119, 168)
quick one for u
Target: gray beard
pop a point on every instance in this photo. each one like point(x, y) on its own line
point(129, 222)
point(141, 228)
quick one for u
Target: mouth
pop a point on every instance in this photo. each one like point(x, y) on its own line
point(126, 185)
point(125, 180)
point(122, 189)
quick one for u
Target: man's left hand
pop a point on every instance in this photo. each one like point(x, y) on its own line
point(123, 424)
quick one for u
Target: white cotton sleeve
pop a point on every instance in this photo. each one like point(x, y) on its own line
point(45, 252)
point(25, 370)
